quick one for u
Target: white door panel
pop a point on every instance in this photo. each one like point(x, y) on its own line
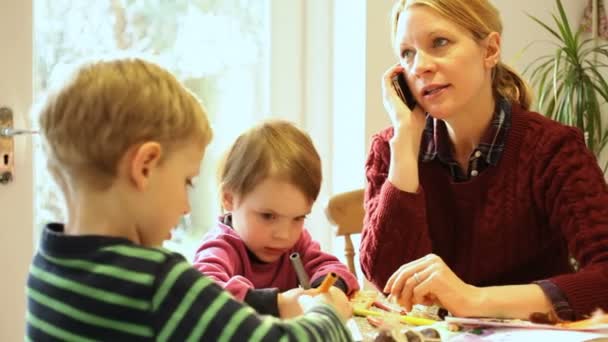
point(16, 204)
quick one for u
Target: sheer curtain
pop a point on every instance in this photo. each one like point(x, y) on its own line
point(219, 49)
point(303, 61)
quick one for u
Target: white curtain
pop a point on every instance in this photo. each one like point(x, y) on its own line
point(219, 49)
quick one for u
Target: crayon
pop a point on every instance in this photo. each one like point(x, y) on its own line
point(403, 318)
point(328, 282)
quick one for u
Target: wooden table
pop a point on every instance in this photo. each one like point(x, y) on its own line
point(368, 334)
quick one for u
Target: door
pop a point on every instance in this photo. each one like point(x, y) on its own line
point(16, 198)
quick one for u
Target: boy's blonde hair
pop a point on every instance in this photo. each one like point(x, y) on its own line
point(276, 149)
point(108, 106)
point(480, 18)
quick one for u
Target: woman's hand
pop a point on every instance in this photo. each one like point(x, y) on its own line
point(401, 116)
point(429, 281)
point(405, 143)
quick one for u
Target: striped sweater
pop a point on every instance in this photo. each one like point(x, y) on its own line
point(91, 288)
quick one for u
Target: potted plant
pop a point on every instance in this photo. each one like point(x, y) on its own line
point(569, 84)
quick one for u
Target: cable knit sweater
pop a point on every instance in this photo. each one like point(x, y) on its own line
point(515, 223)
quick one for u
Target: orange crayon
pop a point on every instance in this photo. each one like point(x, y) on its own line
point(328, 282)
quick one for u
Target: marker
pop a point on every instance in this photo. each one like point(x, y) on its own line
point(405, 319)
point(328, 282)
point(300, 272)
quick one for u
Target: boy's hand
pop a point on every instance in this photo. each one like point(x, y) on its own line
point(288, 304)
point(334, 297)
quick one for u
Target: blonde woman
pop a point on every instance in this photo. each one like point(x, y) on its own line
point(473, 201)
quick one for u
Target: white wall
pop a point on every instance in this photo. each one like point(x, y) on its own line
point(380, 56)
point(361, 54)
point(349, 93)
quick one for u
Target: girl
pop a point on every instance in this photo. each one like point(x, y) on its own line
point(269, 182)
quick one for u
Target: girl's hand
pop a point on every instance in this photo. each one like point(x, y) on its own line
point(429, 281)
point(401, 116)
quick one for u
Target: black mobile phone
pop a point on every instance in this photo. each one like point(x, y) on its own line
point(403, 91)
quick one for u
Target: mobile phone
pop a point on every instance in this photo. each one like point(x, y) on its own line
point(403, 91)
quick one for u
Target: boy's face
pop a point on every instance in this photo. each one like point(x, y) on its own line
point(270, 218)
point(165, 198)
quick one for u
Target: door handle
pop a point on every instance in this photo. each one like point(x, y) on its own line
point(7, 144)
point(11, 132)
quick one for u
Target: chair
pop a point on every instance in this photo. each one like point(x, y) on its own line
point(345, 211)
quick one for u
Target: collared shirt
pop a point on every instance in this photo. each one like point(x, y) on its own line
point(436, 144)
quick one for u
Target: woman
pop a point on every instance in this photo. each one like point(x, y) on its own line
point(478, 205)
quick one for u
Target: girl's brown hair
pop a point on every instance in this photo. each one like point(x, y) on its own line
point(276, 149)
point(480, 18)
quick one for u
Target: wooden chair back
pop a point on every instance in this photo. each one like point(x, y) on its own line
point(345, 211)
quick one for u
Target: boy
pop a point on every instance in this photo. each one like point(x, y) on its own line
point(124, 140)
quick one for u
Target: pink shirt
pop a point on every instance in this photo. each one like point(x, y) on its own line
point(224, 257)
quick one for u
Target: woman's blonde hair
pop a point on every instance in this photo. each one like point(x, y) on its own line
point(480, 18)
point(106, 107)
point(273, 149)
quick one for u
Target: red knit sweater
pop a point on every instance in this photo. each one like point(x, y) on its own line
point(513, 224)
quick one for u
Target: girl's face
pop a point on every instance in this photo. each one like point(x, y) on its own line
point(447, 70)
point(270, 218)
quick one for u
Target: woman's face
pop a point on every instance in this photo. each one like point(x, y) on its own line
point(447, 70)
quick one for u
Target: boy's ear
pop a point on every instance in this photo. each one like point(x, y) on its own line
point(492, 53)
point(227, 200)
point(145, 158)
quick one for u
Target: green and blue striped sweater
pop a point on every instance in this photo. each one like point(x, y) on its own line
point(97, 288)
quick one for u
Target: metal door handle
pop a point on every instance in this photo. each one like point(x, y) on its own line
point(7, 132)
point(11, 132)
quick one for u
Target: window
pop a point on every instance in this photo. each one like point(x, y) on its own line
point(219, 49)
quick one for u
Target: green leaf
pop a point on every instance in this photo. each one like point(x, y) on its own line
point(540, 74)
point(585, 51)
point(558, 58)
point(564, 25)
point(569, 84)
point(534, 67)
point(600, 83)
point(555, 34)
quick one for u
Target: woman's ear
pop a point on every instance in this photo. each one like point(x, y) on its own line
point(492, 50)
point(144, 159)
